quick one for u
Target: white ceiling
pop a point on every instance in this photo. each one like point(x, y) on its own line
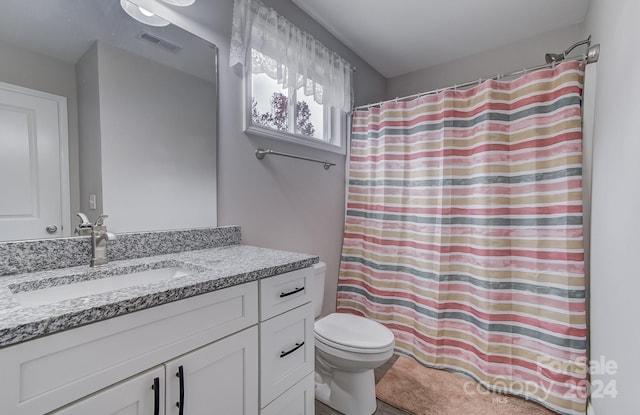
point(402, 36)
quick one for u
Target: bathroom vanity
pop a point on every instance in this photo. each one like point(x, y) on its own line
point(226, 330)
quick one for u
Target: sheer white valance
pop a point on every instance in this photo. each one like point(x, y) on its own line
point(289, 55)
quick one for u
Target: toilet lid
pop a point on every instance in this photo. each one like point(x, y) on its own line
point(353, 331)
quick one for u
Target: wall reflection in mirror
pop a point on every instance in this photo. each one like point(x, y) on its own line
point(100, 113)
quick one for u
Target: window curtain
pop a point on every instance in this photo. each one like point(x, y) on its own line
point(463, 232)
point(289, 55)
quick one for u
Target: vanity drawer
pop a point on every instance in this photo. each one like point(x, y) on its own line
point(285, 291)
point(299, 400)
point(286, 351)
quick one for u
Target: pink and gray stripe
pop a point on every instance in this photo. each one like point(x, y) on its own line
point(464, 234)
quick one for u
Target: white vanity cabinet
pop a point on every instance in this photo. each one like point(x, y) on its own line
point(287, 344)
point(242, 350)
point(220, 378)
point(213, 336)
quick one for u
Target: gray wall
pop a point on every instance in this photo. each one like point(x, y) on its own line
point(512, 57)
point(31, 70)
point(283, 203)
point(280, 203)
point(88, 88)
point(615, 223)
point(152, 128)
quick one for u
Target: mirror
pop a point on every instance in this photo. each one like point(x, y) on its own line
point(100, 113)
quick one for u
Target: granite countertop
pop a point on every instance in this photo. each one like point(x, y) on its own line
point(210, 270)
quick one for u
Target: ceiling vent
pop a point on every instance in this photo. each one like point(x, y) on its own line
point(159, 42)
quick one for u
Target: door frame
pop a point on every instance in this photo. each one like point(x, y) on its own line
point(63, 145)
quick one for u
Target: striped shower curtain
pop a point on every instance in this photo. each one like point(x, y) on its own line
point(463, 232)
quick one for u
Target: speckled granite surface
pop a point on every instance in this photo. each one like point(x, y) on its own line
point(209, 269)
point(44, 254)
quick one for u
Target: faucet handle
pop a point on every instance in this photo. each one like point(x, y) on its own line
point(100, 220)
point(85, 227)
point(84, 220)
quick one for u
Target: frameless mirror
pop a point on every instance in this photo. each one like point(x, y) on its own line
point(102, 114)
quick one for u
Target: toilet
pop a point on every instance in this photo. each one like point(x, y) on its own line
point(347, 349)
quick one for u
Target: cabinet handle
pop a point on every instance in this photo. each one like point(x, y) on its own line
point(295, 290)
point(180, 404)
point(156, 396)
point(288, 352)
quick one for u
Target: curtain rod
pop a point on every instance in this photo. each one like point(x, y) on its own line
point(593, 52)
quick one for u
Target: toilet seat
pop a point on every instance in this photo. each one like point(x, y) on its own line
point(352, 333)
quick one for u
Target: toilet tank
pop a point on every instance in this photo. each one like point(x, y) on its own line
point(319, 270)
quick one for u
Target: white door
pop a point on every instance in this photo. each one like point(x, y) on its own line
point(221, 378)
point(140, 395)
point(34, 171)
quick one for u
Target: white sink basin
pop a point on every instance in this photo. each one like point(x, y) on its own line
point(50, 295)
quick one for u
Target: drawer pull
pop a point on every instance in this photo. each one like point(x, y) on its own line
point(296, 347)
point(180, 404)
point(156, 396)
point(295, 290)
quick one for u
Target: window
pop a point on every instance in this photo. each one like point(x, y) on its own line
point(285, 112)
point(295, 88)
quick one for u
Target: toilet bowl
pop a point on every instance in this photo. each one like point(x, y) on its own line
point(347, 350)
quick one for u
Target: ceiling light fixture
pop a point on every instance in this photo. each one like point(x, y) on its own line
point(145, 12)
point(142, 15)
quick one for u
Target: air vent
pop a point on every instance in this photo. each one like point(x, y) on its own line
point(159, 42)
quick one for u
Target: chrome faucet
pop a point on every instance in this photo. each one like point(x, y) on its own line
point(99, 238)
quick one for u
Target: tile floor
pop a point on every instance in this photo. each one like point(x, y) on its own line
point(383, 408)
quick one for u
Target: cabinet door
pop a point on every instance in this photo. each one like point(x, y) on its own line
point(140, 395)
point(221, 378)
